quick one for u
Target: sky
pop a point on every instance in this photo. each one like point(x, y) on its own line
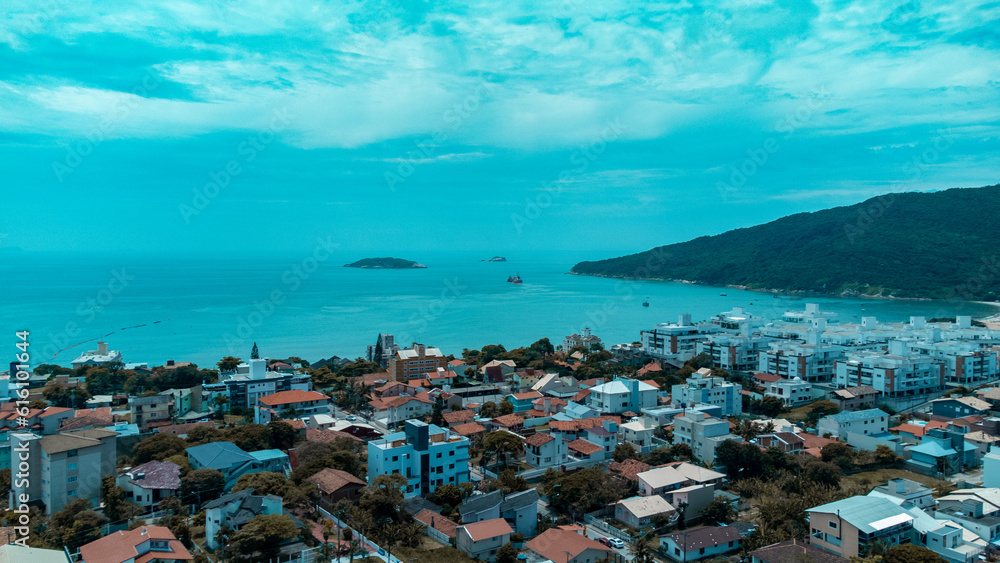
point(495, 127)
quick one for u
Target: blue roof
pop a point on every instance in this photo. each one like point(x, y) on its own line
point(863, 511)
point(266, 455)
point(933, 449)
point(851, 416)
point(218, 455)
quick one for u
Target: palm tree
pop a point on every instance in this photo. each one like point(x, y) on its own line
point(877, 547)
point(640, 550)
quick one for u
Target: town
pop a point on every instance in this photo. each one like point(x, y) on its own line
point(742, 438)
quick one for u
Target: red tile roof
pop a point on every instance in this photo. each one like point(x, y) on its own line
point(49, 411)
point(579, 397)
point(554, 401)
point(292, 397)
point(121, 546)
point(527, 395)
point(458, 416)
point(469, 428)
point(538, 439)
point(438, 522)
point(314, 435)
point(628, 469)
point(584, 447)
point(553, 544)
point(487, 529)
point(508, 420)
point(332, 480)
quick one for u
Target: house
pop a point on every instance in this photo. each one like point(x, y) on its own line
point(481, 540)
point(905, 493)
point(946, 538)
point(509, 422)
point(69, 466)
point(250, 382)
point(336, 485)
point(693, 497)
point(791, 392)
point(788, 442)
point(703, 433)
point(703, 388)
point(639, 512)
point(584, 450)
point(520, 510)
point(141, 545)
point(398, 409)
point(941, 452)
point(703, 542)
point(699, 475)
point(470, 430)
point(605, 436)
point(427, 455)
point(867, 422)
point(545, 450)
point(794, 551)
point(418, 359)
point(628, 470)
point(976, 510)
point(856, 398)
point(622, 395)
point(438, 527)
point(454, 418)
point(225, 457)
point(151, 482)
point(101, 356)
point(847, 527)
point(639, 433)
point(585, 339)
point(236, 509)
point(150, 412)
point(523, 401)
point(291, 404)
point(567, 546)
point(660, 480)
point(957, 407)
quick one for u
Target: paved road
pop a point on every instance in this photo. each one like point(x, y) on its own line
point(594, 533)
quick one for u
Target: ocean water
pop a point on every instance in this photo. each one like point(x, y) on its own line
point(155, 308)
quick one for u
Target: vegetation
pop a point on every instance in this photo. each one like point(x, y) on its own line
point(384, 263)
point(902, 245)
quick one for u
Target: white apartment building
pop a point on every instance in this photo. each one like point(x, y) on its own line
point(895, 374)
point(734, 352)
point(678, 341)
point(792, 392)
point(622, 395)
point(812, 362)
point(703, 388)
point(965, 362)
point(703, 433)
point(868, 422)
point(427, 455)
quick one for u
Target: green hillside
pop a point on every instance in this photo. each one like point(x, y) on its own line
point(936, 245)
point(385, 263)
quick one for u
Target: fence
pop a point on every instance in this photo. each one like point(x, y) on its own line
point(601, 525)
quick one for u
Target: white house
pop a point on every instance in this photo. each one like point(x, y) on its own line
point(868, 422)
point(622, 395)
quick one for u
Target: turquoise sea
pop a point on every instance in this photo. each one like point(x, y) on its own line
point(200, 309)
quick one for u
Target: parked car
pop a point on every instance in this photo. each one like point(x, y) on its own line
point(604, 541)
point(616, 543)
point(351, 417)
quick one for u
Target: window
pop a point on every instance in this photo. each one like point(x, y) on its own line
point(71, 493)
point(833, 525)
point(71, 467)
point(71, 479)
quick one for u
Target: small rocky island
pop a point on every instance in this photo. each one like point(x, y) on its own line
point(496, 259)
point(385, 264)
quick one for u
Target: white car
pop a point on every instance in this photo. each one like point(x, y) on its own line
point(616, 543)
point(352, 418)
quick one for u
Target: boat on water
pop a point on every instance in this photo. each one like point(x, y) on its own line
point(722, 294)
point(646, 302)
point(515, 279)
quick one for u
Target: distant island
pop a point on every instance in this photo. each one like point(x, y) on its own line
point(385, 264)
point(496, 259)
point(936, 245)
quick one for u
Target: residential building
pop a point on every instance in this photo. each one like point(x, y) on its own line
point(703, 388)
point(661, 480)
point(233, 462)
point(236, 509)
point(336, 485)
point(149, 483)
point(941, 452)
point(867, 422)
point(733, 352)
point(150, 412)
point(788, 442)
point(622, 395)
point(545, 450)
point(946, 538)
point(101, 356)
point(589, 341)
point(605, 436)
point(418, 359)
point(991, 468)
point(676, 342)
point(639, 511)
point(291, 404)
point(703, 433)
point(520, 509)
point(847, 527)
point(957, 407)
point(639, 432)
point(145, 544)
point(523, 401)
point(397, 409)
point(905, 493)
point(481, 540)
point(703, 542)
point(17, 553)
point(812, 361)
point(567, 546)
point(856, 398)
point(976, 510)
point(64, 467)
point(794, 551)
point(965, 362)
point(897, 373)
point(792, 392)
point(250, 382)
point(388, 350)
point(438, 527)
point(427, 455)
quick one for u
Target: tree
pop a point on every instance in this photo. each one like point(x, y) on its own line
point(264, 534)
point(660, 456)
point(263, 483)
point(113, 498)
point(500, 443)
point(447, 494)
point(489, 410)
point(505, 407)
point(377, 355)
point(625, 451)
point(254, 352)
point(885, 456)
point(771, 406)
point(838, 453)
point(250, 437)
point(719, 511)
point(200, 484)
point(819, 409)
point(383, 499)
point(437, 416)
point(228, 364)
point(158, 447)
point(507, 553)
point(640, 550)
point(508, 482)
point(283, 435)
point(909, 553)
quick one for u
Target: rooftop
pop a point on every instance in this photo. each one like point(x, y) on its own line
point(121, 546)
point(704, 536)
point(851, 416)
point(332, 480)
point(868, 514)
point(644, 507)
point(553, 544)
point(487, 529)
point(291, 397)
point(795, 551)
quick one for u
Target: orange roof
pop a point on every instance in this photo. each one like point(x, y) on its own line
point(291, 397)
point(581, 423)
point(508, 420)
point(527, 395)
point(813, 441)
point(121, 546)
point(438, 522)
point(579, 397)
point(52, 410)
point(314, 435)
point(456, 363)
point(469, 428)
point(554, 401)
point(441, 374)
point(915, 430)
point(584, 447)
point(488, 529)
point(332, 480)
point(538, 439)
point(628, 469)
point(651, 383)
point(458, 416)
point(535, 413)
point(554, 544)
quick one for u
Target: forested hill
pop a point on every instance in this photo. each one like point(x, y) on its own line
point(937, 245)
